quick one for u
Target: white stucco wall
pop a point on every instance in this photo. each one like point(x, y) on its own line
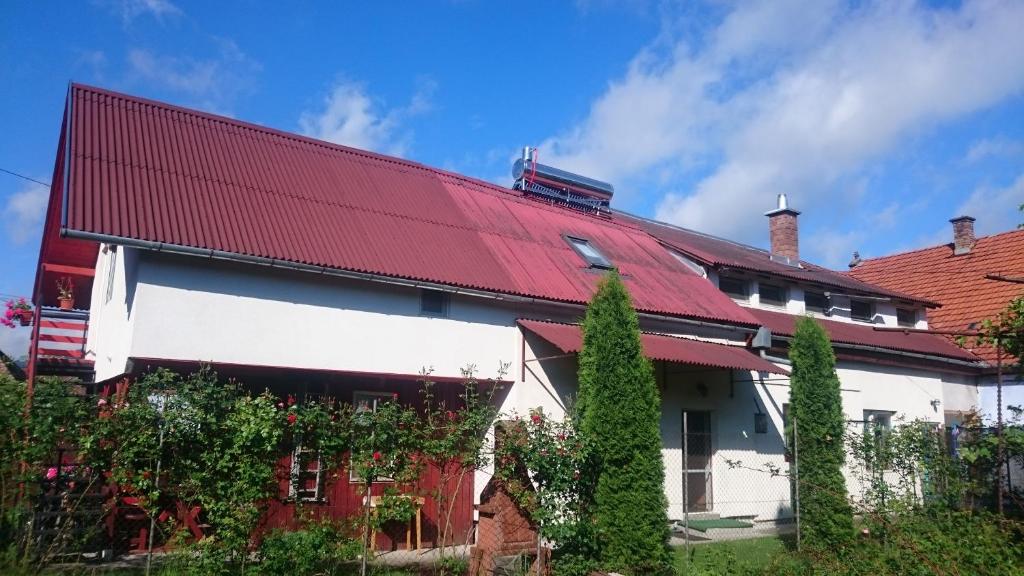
point(189, 309)
point(194, 310)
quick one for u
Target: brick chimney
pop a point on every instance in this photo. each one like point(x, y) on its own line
point(963, 234)
point(782, 229)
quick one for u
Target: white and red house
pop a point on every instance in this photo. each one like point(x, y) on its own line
point(311, 267)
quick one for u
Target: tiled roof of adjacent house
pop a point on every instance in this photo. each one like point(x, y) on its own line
point(958, 282)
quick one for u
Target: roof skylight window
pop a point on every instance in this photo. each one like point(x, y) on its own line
point(589, 252)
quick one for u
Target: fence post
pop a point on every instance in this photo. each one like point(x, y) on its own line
point(686, 487)
point(796, 471)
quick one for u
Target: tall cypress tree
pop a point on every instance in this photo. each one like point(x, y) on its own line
point(816, 407)
point(619, 412)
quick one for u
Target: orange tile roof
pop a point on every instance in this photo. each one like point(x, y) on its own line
point(956, 282)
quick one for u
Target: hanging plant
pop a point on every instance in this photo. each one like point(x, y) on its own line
point(18, 312)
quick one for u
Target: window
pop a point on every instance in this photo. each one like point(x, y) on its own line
point(306, 476)
point(696, 268)
point(434, 303)
point(772, 294)
point(363, 401)
point(816, 302)
point(588, 252)
point(877, 424)
point(111, 269)
point(733, 287)
point(760, 423)
point(862, 311)
point(306, 480)
point(906, 317)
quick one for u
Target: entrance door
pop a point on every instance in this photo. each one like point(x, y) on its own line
point(697, 463)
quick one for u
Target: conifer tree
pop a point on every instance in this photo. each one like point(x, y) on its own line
point(619, 412)
point(816, 407)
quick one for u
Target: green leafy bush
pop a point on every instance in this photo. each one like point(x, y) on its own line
point(318, 548)
point(619, 411)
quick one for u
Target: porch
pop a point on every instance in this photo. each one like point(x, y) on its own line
point(722, 425)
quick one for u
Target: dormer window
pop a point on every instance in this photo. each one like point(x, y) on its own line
point(862, 311)
point(589, 252)
point(734, 287)
point(906, 317)
point(772, 294)
point(816, 302)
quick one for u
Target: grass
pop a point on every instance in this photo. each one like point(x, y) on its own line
point(729, 557)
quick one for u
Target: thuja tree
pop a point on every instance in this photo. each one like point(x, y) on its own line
point(816, 407)
point(619, 412)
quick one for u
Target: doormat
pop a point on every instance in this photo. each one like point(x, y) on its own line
point(705, 525)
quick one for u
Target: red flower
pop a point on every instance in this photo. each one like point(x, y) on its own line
point(292, 418)
point(376, 455)
point(394, 396)
point(291, 400)
point(536, 418)
point(451, 415)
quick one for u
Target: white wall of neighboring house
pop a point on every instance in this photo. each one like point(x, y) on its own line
point(185, 308)
point(111, 322)
point(1013, 395)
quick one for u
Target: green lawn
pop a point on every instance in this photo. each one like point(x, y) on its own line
point(737, 556)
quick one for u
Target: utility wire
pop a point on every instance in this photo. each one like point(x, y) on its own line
point(24, 177)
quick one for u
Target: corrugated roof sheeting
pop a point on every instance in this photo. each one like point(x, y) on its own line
point(851, 333)
point(569, 339)
point(150, 171)
point(725, 253)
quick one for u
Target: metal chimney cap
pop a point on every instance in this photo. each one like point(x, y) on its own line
point(782, 207)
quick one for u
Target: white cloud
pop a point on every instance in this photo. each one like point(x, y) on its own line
point(129, 10)
point(350, 116)
point(791, 97)
point(996, 209)
point(997, 147)
point(24, 211)
point(212, 83)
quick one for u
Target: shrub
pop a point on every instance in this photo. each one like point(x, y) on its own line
point(620, 413)
point(817, 410)
point(319, 548)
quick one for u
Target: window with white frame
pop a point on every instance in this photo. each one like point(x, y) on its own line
point(862, 311)
point(906, 317)
point(589, 252)
point(369, 401)
point(306, 477)
point(877, 425)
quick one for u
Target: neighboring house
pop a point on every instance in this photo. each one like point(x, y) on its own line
point(963, 276)
point(309, 267)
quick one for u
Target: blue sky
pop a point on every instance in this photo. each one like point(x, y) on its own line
point(881, 120)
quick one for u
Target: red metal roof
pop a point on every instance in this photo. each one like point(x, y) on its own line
point(150, 171)
point(724, 253)
point(782, 324)
point(569, 339)
point(957, 282)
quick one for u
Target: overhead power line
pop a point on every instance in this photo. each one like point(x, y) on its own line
point(22, 176)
